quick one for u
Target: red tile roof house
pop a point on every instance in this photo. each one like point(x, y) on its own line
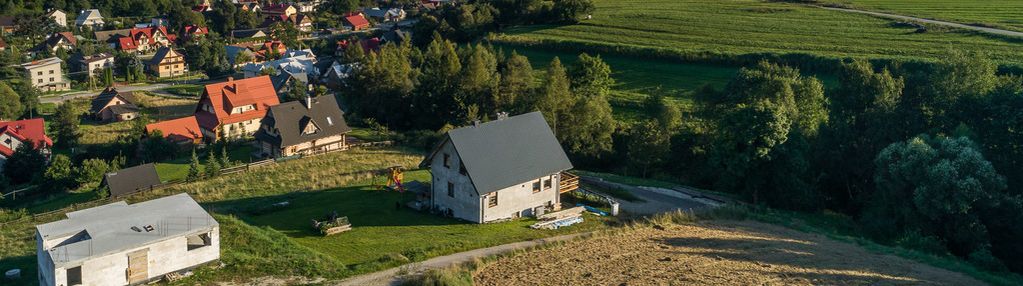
point(15, 133)
point(233, 109)
point(183, 131)
point(191, 31)
point(143, 40)
point(357, 22)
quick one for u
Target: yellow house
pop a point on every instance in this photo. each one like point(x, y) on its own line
point(167, 63)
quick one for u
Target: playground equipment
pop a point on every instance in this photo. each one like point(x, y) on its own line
point(395, 180)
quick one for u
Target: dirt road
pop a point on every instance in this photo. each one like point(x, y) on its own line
point(712, 253)
point(994, 31)
point(390, 276)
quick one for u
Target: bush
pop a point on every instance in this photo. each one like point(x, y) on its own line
point(984, 259)
point(91, 171)
point(924, 243)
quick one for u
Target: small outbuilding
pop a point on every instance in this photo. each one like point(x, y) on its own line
point(132, 180)
point(111, 105)
point(507, 168)
point(122, 244)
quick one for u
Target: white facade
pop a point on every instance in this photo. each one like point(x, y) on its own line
point(91, 18)
point(465, 202)
point(46, 75)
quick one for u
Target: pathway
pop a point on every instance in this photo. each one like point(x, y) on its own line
point(391, 277)
point(994, 31)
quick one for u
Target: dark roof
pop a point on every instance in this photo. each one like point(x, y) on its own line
point(505, 152)
point(281, 80)
point(161, 53)
point(104, 36)
point(108, 94)
point(241, 34)
point(290, 118)
point(131, 180)
point(124, 109)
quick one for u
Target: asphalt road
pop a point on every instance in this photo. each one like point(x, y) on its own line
point(87, 94)
point(994, 31)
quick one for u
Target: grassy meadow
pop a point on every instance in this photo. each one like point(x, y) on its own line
point(1005, 14)
point(724, 29)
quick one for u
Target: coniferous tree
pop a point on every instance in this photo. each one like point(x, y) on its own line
point(193, 168)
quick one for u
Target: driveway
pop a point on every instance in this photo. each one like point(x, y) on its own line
point(993, 31)
point(655, 200)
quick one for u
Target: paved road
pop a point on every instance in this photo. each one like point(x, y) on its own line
point(390, 276)
point(85, 94)
point(929, 21)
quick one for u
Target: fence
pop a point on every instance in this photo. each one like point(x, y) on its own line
point(168, 184)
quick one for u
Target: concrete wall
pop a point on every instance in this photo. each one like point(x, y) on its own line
point(164, 257)
point(468, 204)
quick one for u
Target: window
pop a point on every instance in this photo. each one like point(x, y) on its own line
point(51, 79)
point(39, 73)
point(74, 276)
point(40, 80)
point(461, 168)
point(547, 184)
point(51, 71)
point(536, 186)
point(492, 200)
point(451, 190)
point(199, 241)
point(446, 158)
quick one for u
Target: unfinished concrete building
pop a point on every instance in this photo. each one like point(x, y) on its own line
point(122, 244)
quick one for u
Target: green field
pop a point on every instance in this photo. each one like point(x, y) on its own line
point(715, 29)
point(1006, 14)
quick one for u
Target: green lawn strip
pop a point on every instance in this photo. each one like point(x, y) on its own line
point(177, 169)
point(185, 89)
point(368, 135)
point(634, 181)
point(735, 31)
point(990, 13)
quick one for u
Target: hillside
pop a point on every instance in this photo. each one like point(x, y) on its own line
point(721, 29)
point(717, 252)
point(1004, 14)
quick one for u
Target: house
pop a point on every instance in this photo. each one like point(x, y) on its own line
point(141, 40)
point(251, 6)
point(268, 50)
point(302, 22)
point(111, 105)
point(167, 63)
point(190, 32)
point(182, 131)
point(335, 74)
point(310, 126)
point(273, 10)
point(356, 22)
point(89, 18)
point(232, 109)
point(131, 180)
point(57, 41)
point(8, 24)
point(396, 36)
point(385, 15)
point(13, 134)
point(122, 244)
point(248, 35)
point(94, 63)
point(368, 45)
point(58, 17)
point(46, 74)
point(507, 168)
point(292, 61)
point(284, 80)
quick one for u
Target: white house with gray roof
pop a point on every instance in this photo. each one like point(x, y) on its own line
point(507, 168)
point(122, 244)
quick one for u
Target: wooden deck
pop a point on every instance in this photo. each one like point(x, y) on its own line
point(569, 182)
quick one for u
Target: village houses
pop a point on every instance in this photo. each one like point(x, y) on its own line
point(46, 74)
point(57, 41)
point(167, 63)
point(58, 17)
point(122, 244)
point(111, 105)
point(89, 18)
point(507, 168)
point(92, 64)
point(14, 134)
point(309, 126)
point(233, 109)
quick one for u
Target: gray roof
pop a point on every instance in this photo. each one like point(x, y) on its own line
point(107, 229)
point(282, 79)
point(505, 152)
point(290, 118)
point(105, 36)
point(161, 53)
point(252, 33)
point(108, 94)
point(131, 180)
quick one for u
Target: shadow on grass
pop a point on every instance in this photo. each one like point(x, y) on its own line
point(364, 206)
point(27, 264)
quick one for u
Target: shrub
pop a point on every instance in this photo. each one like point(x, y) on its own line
point(925, 243)
point(91, 171)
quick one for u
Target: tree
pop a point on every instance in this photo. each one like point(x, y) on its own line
point(572, 11)
point(760, 111)
point(157, 148)
point(193, 168)
point(648, 147)
point(286, 33)
point(479, 81)
point(666, 114)
point(587, 124)
point(12, 108)
point(340, 7)
point(24, 164)
point(555, 96)
point(297, 91)
point(65, 126)
point(438, 81)
point(91, 171)
point(591, 76)
point(212, 168)
point(29, 98)
point(108, 77)
point(516, 83)
point(225, 161)
point(937, 185)
point(58, 174)
point(353, 53)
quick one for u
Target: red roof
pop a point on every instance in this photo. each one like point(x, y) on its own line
point(184, 129)
point(225, 96)
point(28, 130)
point(194, 30)
point(357, 21)
point(126, 44)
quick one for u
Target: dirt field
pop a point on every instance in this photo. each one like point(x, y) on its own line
point(712, 253)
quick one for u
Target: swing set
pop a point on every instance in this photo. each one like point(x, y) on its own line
point(394, 182)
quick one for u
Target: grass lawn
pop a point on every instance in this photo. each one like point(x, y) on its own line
point(185, 89)
point(177, 169)
point(369, 135)
point(742, 27)
point(1004, 14)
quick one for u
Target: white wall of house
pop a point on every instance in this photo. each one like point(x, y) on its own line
point(164, 257)
point(465, 203)
point(8, 141)
point(47, 77)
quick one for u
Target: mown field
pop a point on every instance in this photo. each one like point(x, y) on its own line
point(1006, 14)
point(701, 29)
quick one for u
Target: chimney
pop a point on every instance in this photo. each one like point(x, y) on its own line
point(230, 78)
point(476, 123)
point(308, 101)
point(502, 115)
